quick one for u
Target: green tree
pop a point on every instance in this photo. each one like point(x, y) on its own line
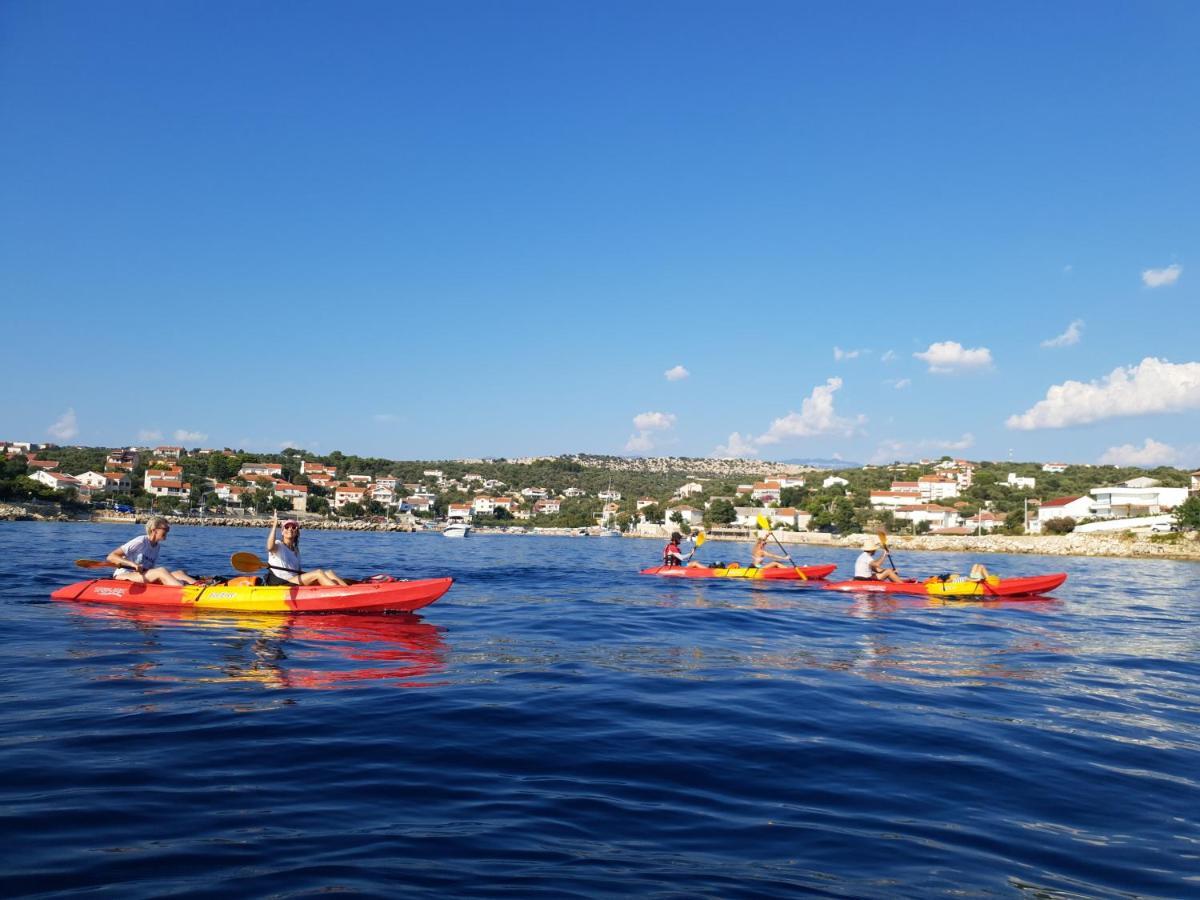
point(1187, 514)
point(1064, 525)
point(721, 512)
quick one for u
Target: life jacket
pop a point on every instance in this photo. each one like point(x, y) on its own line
point(671, 554)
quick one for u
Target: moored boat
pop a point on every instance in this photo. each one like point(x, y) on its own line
point(1032, 586)
point(384, 594)
point(796, 573)
point(456, 530)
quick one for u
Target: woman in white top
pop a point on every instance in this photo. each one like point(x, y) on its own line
point(868, 568)
point(283, 558)
point(136, 560)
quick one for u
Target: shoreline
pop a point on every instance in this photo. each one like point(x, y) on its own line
point(1183, 547)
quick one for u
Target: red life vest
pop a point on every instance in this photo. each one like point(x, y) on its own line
point(671, 554)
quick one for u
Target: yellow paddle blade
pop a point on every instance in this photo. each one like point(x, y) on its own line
point(93, 564)
point(246, 562)
point(700, 539)
point(763, 523)
point(882, 539)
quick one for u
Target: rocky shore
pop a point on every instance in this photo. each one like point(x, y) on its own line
point(1185, 546)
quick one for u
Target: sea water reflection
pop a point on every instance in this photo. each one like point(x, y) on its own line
point(275, 651)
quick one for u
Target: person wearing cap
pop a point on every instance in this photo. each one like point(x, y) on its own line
point(283, 559)
point(868, 568)
point(136, 560)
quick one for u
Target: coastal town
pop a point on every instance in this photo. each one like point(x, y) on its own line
point(945, 497)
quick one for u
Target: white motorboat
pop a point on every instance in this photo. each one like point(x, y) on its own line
point(456, 530)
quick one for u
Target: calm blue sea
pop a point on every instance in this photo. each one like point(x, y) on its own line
point(559, 726)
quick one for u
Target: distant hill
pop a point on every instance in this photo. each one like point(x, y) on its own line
point(822, 463)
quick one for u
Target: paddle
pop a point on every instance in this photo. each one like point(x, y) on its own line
point(248, 562)
point(94, 564)
point(765, 525)
point(882, 535)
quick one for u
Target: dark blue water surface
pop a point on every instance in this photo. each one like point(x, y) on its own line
point(559, 726)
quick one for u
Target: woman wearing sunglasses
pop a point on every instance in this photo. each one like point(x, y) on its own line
point(283, 559)
point(136, 560)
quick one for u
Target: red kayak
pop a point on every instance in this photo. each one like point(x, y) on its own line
point(797, 573)
point(382, 594)
point(1033, 586)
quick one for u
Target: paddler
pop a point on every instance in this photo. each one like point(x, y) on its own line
point(135, 560)
point(759, 553)
point(868, 568)
point(673, 556)
point(283, 559)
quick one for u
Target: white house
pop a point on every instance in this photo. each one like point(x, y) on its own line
point(984, 520)
point(787, 481)
point(55, 480)
point(459, 512)
point(252, 470)
point(535, 493)
point(643, 502)
point(893, 499)
point(348, 493)
point(789, 516)
point(1054, 468)
point(765, 491)
point(574, 492)
point(689, 514)
point(609, 513)
point(1020, 482)
point(686, 490)
point(168, 487)
point(114, 482)
point(1195, 482)
point(168, 452)
point(418, 503)
point(609, 496)
point(937, 516)
point(1124, 500)
point(483, 506)
point(494, 484)
point(834, 479)
point(297, 494)
point(747, 516)
point(175, 473)
point(546, 507)
point(1060, 508)
point(937, 487)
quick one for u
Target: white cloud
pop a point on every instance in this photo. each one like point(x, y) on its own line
point(1068, 337)
point(639, 443)
point(839, 354)
point(888, 356)
point(653, 421)
point(816, 416)
point(951, 357)
point(678, 373)
point(1162, 277)
point(146, 435)
point(190, 437)
point(1152, 386)
point(646, 424)
point(65, 427)
point(1150, 454)
point(891, 450)
point(737, 447)
point(898, 383)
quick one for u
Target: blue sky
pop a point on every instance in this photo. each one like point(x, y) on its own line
point(427, 230)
